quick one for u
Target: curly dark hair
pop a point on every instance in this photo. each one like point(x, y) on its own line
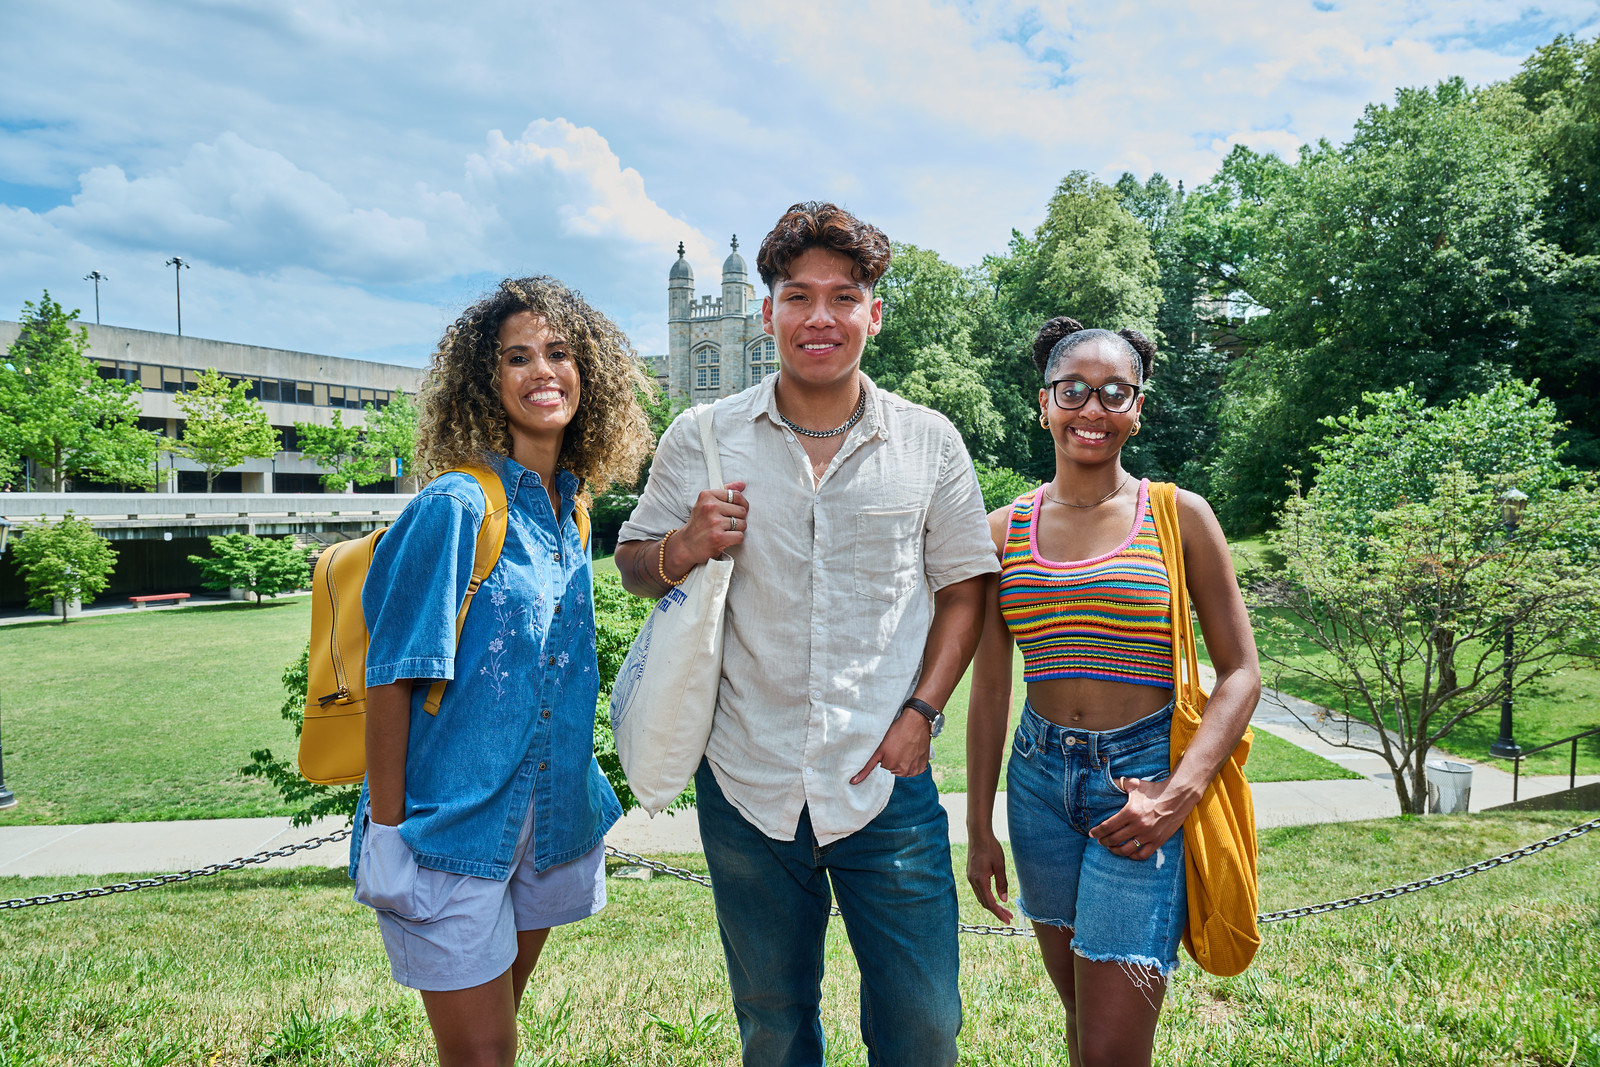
point(462, 419)
point(811, 224)
point(1062, 334)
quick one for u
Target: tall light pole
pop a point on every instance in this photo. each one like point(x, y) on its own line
point(178, 266)
point(96, 277)
point(1512, 501)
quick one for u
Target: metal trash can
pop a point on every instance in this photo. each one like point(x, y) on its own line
point(1449, 786)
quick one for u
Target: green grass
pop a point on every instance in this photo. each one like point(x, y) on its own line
point(282, 967)
point(1272, 759)
point(147, 715)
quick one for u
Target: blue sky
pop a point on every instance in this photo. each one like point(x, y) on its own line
point(346, 177)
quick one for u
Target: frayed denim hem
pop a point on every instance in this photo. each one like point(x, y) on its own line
point(1142, 969)
point(1022, 910)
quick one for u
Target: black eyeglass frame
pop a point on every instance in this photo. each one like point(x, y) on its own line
point(1093, 390)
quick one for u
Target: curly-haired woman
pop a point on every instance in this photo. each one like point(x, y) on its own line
point(1095, 817)
point(481, 826)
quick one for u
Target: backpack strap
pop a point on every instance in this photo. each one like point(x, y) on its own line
point(580, 515)
point(491, 539)
point(1164, 510)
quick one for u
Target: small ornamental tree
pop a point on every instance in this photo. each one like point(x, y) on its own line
point(1402, 576)
point(223, 427)
point(336, 447)
point(64, 561)
point(265, 566)
point(390, 434)
point(308, 800)
point(61, 414)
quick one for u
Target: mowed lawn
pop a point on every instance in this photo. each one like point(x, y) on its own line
point(282, 967)
point(147, 715)
point(151, 715)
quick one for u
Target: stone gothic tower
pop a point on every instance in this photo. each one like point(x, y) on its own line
point(680, 301)
point(716, 347)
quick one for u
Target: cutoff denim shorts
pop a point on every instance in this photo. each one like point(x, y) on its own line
point(455, 931)
point(1060, 784)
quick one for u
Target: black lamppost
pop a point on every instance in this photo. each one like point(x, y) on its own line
point(96, 277)
point(178, 267)
point(7, 798)
point(1512, 501)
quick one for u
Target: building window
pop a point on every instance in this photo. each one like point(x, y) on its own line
point(708, 367)
point(716, 378)
point(700, 378)
point(763, 359)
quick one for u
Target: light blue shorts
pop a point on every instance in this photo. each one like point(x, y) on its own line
point(1060, 783)
point(454, 931)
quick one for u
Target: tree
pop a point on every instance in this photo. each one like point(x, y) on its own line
point(1184, 394)
point(223, 426)
point(265, 566)
point(390, 434)
point(61, 414)
point(1409, 254)
point(1000, 486)
point(64, 561)
point(336, 447)
point(1401, 577)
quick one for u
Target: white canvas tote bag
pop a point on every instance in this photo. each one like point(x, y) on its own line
point(666, 692)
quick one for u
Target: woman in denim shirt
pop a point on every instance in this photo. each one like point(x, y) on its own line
point(482, 826)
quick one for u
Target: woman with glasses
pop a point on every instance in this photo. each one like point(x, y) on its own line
point(1094, 809)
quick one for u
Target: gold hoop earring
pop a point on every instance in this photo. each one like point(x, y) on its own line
point(1044, 420)
point(1135, 431)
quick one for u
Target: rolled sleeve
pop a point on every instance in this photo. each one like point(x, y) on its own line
point(957, 545)
point(416, 584)
point(665, 505)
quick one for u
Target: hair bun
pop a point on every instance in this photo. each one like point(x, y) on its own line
point(1049, 334)
point(1146, 349)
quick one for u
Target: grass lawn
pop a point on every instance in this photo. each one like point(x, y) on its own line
point(1272, 759)
point(147, 715)
point(283, 968)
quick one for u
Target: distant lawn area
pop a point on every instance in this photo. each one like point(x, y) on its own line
point(282, 967)
point(147, 715)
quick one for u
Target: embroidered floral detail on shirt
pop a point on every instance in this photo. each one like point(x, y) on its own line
point(497, 645)
point(562, 660)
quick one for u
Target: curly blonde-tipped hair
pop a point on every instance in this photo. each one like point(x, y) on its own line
point(462, 418)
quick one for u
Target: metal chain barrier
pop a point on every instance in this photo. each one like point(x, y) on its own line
point(1429, 883)
point(701, 880)
point(181, 876)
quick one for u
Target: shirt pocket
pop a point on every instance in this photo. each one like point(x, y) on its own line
point(888, 562)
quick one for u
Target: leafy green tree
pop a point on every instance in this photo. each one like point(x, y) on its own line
point(1406, 619)
point(1001, 485)
point(1409, 254)
point(336, 447)
point(923, 351)
point(222, 426)
point(64, 562)
point(1184, 395)
point(1553, 105)
point(61, 414)
point(308, 800)
point(390, 434)
point(265, 566)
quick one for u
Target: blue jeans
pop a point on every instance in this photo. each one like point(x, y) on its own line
point(898, 897)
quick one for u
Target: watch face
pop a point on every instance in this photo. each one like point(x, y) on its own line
point(938, 724)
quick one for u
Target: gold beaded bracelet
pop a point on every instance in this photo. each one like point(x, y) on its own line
point(661, 562)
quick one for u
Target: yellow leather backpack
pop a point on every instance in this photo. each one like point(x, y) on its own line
point(333, 743)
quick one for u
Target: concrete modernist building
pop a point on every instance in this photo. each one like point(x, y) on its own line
point(292, 387)
point(716, 345)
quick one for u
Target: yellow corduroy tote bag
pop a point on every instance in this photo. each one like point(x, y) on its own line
point(1219, 835)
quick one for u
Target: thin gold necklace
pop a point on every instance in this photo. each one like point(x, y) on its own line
point(1096, 504)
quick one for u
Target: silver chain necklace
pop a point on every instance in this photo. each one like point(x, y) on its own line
point(861, 407)
point(1097, 503)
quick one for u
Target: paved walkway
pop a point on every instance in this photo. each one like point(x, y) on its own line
point(105, 848)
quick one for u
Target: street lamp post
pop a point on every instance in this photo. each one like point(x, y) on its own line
point(96, 277)
point(178, 266)
point(1512, 501)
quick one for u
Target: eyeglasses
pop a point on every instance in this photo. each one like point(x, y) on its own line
point(1070, 393)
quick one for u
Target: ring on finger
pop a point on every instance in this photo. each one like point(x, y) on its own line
point(733, 523)
point(1136, 845)
point(730, 496)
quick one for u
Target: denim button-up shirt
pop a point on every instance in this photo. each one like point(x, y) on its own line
point(516, 723)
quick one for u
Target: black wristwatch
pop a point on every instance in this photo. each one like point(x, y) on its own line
point(934, 716)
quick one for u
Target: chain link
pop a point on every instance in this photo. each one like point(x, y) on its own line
point(181, 876)
point(701, 880)
point(1429, 883)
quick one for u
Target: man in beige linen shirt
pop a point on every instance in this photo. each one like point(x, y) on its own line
point(861, 550)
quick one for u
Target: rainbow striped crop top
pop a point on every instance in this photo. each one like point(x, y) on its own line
point(1106, 618)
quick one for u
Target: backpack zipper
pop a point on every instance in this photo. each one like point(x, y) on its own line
point(342, 694)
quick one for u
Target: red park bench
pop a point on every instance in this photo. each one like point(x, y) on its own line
point(142, 601)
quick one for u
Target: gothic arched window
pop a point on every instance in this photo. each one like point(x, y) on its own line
point(707, 367)
point(763, 357)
